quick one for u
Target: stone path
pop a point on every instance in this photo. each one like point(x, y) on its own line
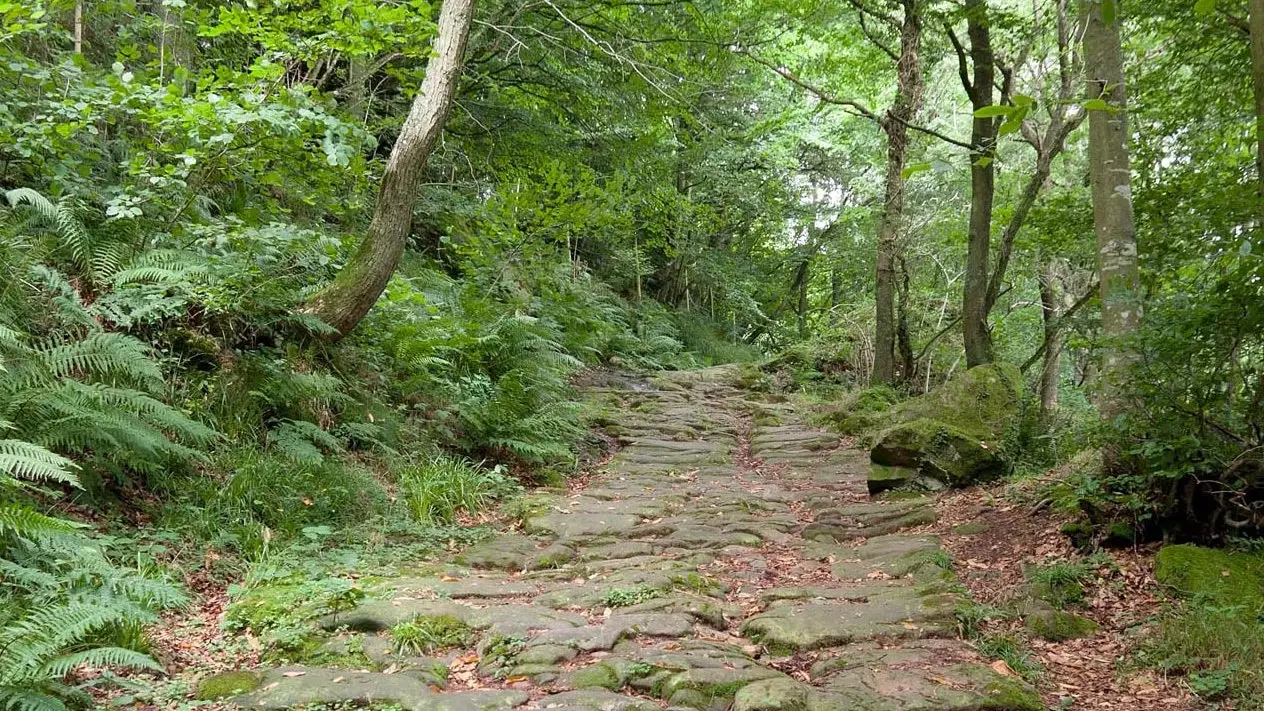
point(728, 556)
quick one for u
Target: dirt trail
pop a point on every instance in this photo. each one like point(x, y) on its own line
point(727, 556)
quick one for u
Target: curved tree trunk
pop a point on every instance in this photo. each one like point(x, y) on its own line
point(1111, 178)
point(345, 302)
point(895, 124)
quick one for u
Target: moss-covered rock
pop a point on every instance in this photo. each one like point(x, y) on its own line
point(600, 675)
point(228, 684)
point(955, 435)
point(1223, 576)
point(940, 452)
point(1058, 626)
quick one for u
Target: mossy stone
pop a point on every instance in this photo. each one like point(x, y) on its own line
point(227, 685)
point(599, 675)
point(1059, 626)
point(1223, 576)
point(970, 529)
point(940, 451)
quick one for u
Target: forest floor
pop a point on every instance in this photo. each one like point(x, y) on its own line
point(727, 556)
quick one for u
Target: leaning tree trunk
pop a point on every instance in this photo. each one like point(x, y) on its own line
point(345, 302)
point(895, 124)
point(1111, 179)
point(974, 312)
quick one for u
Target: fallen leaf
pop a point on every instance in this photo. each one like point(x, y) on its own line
point(1000, 667)
point(293, 673)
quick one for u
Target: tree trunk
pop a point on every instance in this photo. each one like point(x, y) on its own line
point(803, 299)
point(345, 302)
point(1257, 76)
point(78, 29)
point(974, 312)
point(356, 91)
point(1051, 304)
point(1111, 178)
point(904, 343)
point(895, 124)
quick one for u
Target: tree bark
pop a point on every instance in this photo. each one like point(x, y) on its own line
point(803, 299)
point(78, 29)
point(895, 124)
point(974, 311)
point(1111, 179)
point(346, 301)
point(1052, 303)
point(1257, 75)
point(904, 342)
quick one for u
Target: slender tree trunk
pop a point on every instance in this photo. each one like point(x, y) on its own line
point(1064, 119)
point(974, 312)
point(1052, 300)
point(1111, 178)
point(895, 124)
point(79, 27)
point(1257, 76)
point(803, 299)
point(836, 292)
point(346, 301)
point(904, 343)
point(357, 86)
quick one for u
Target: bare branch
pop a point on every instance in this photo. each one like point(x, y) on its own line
point(876, 41)
point(1057, 325)
point(963, 61)
point(879, 16)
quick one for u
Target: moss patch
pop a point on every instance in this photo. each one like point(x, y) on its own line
point(595, 676)
point(1225, 577)
point(229, 684)
point(1059, 626)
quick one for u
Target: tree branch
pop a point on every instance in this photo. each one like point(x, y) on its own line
point(1057, 325)
point(963, 61)
point(879, 16)
point(873, 39)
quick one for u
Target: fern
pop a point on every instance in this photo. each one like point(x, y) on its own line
point(23, 460)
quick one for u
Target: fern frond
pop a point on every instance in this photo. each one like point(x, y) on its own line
point(112, 356)
point(98, 657)
point(23, 460)
point(27, 196)
point(26, 522)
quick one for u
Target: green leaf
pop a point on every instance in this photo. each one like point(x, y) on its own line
point(1024, 101)
point(993, 111)
point(1245, 249)
point(983, 161)
point(914, 169)
point(1096, 105)
point(1010, 126)
point(1205, 7)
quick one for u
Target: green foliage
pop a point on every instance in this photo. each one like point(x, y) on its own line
point(627, 597)
point(430, 634)
point(440, 489)
point(265, 495)
point(1219, 649)
point(1062, 582)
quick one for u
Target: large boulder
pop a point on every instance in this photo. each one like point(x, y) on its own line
point(953, 436)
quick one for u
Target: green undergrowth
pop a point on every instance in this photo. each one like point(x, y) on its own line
point(428, 634)
point(1212, 632)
